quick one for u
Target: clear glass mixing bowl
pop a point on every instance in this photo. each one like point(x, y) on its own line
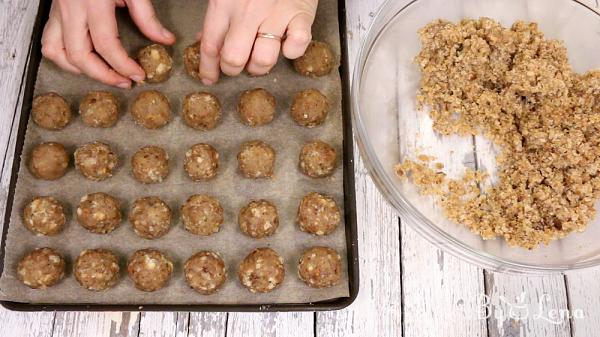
point(388, 127)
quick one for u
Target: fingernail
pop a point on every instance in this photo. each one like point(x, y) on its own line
point(137, 78)
point(124, 85)
point(167, 34)
point(206, 81)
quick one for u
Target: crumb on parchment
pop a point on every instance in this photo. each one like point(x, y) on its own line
point(517, 89)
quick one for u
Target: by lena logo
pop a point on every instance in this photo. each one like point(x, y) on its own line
point(501, 309)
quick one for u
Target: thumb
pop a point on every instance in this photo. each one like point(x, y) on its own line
point(144, 16)
point(298, 35)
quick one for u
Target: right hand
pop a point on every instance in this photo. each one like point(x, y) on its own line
point(81, 36)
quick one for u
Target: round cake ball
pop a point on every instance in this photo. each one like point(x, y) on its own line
point(99, 213)
point(149, 269)
point(96, 269)
point(201, 162)
point(48, 161)
point(44, 216)
point(191, 60)
point(201, 110)
point(205, 272)
point(309, 108)
point(95, 161)
point(151, 109)
point(99, 109)
point(150, 164)
point(51, 111)
point(262, 270)
point(202, 215)
point(320, 267)
point(318, 214)
point(256, 159)
point(317, 159)
point(156, 62)
point(41, 268)
point(258, 219)
point(150, 217)
point(256, 107)
point(318, 60)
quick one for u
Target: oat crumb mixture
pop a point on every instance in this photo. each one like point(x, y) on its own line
point(516, 88)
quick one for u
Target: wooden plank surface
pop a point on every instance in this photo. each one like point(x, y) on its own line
point(297, 324)
point(92, 324)
point(16, 25)
point(377, 310)
point(207, 324)
point(584, 302)
point(407, 285)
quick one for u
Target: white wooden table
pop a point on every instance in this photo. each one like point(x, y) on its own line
point(408, 287)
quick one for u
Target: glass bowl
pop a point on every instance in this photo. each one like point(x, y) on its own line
point(388, 127)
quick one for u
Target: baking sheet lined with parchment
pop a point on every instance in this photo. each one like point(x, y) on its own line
point(285, 190)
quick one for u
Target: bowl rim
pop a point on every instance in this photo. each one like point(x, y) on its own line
point(426, 229)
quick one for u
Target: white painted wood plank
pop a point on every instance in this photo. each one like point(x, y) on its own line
point(526, 306)
point(584, 301)
point(17, 18)
point(439, 291)
point(207, 324)
point(163, 324)
point(16, 26)
point(94, 324)
point(377, 309)
point(21, 324)
point(297, 324)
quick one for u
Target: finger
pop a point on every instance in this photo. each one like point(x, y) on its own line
point(143, 14)
point(105, 36)
point(216, 24)
point(79, 53)
point(52, 45)
point(238, 45)
point(266, 51)
point(298, 35)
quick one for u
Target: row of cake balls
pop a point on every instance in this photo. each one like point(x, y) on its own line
point(151, 218)
point(260, 271)
point(201, 110)
point(150, 164)
point(157, 63)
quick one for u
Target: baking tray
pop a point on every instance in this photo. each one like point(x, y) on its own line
point(349, 198)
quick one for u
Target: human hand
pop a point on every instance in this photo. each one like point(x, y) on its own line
point(229, 42)
point(81, 36)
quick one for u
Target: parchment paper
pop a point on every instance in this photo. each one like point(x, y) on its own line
point(286, 190)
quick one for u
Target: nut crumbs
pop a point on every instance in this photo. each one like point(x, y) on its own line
point(516, 88)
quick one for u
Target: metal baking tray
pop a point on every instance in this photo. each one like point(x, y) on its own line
point(349, 199)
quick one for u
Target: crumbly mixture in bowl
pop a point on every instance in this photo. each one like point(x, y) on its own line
point(516, 88)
